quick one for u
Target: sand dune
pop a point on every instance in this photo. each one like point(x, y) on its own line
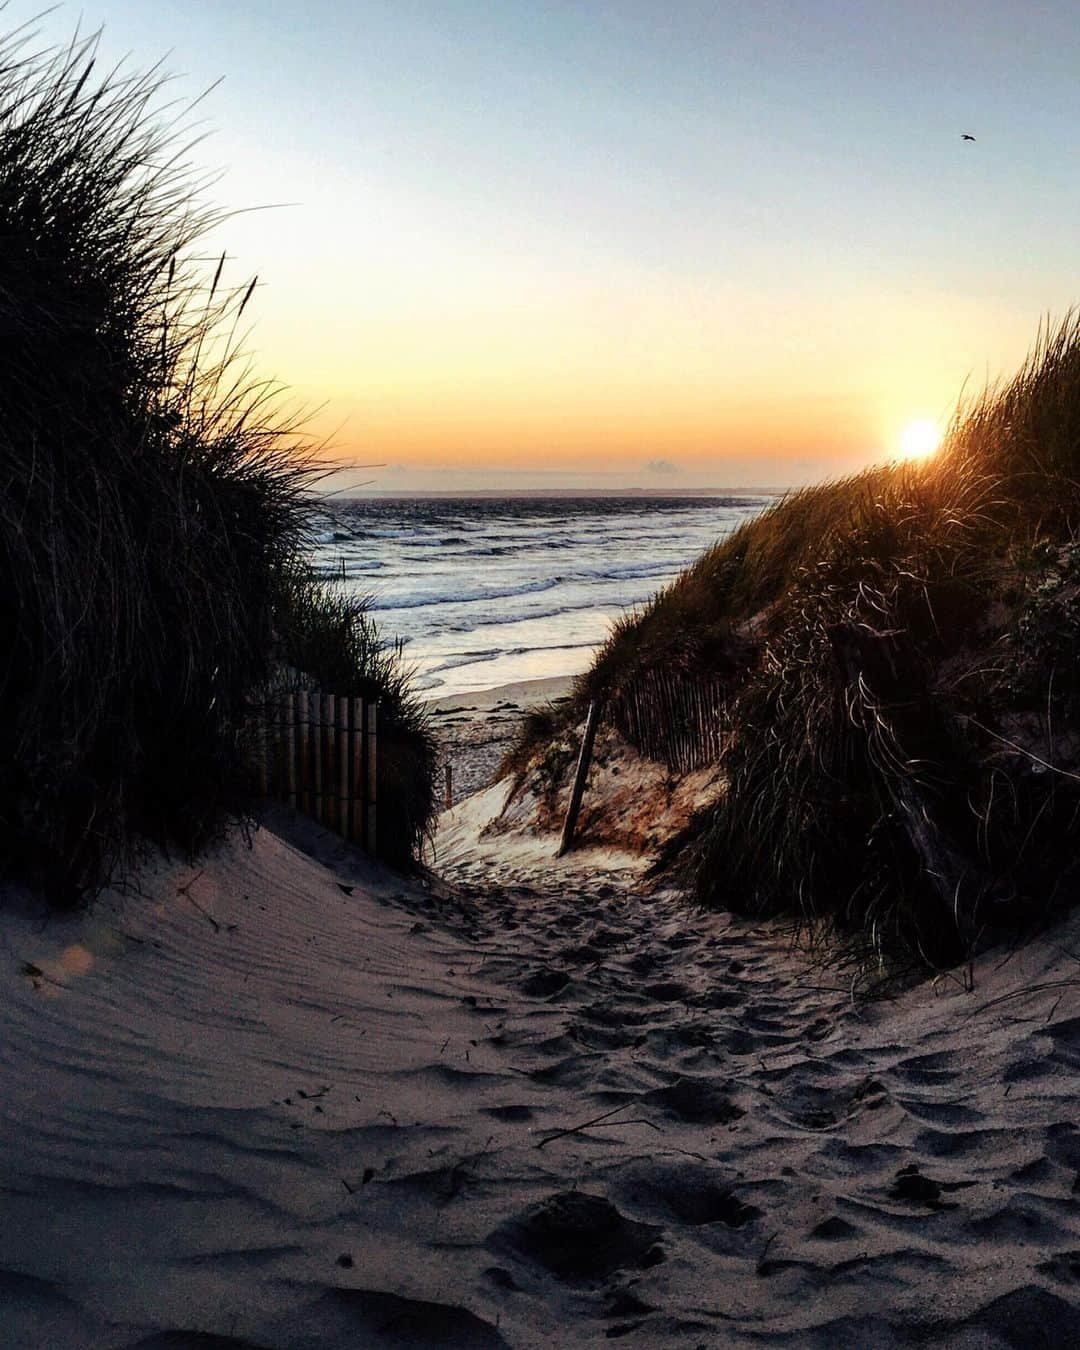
point(267, 1102)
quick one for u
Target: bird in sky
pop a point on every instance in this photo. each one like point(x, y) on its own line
point(965, 137)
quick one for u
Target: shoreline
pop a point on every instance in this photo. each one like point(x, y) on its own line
point(530, 693)
point(475, 730)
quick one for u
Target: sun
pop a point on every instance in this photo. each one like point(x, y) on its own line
point(919, 439)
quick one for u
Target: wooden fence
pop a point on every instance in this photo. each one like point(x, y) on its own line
point(672, 717)
point(318, 752)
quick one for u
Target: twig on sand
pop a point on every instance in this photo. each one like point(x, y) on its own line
point(633, 1120)
point(1022, 993)
point(689, 1153)
point(185, 891)
point(576, 1129)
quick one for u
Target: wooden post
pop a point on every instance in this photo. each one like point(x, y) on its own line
point(303, 732)
point(316, 756)
point(448, 774)
point(584, 759)
point(281, 760)
point(292, 703)
point(356, 772)
point(330, 773)
point(343, 765)
point(372, 777)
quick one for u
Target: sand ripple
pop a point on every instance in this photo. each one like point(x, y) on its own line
point(241, 1108)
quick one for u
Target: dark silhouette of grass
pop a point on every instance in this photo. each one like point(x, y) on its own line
point(155, 498)
point(900, 650)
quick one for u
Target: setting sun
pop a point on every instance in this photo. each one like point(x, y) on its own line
point(919, 439)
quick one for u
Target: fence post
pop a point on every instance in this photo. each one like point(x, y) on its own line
point(356, 771)
point(304, 732)
point(584, 758)
point(292, 702)
point(280, 783)
point(372, 776)
point(330, 773)
point(316, 756)
point(343, 765)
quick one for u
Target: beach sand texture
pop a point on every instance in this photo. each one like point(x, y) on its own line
point(264, 1101)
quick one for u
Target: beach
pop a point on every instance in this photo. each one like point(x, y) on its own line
point(285, 1098)
point(475, 730)
point(470, 879)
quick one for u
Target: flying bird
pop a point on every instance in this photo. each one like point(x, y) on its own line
point(965, 137)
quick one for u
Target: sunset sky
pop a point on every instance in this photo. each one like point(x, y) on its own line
point(655, 243)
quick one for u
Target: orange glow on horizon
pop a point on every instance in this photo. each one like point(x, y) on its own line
point(712, 393)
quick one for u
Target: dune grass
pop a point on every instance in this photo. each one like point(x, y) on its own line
point(900, 650)
point(156, 499)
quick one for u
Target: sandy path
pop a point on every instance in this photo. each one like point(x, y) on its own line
point(819, 1174)
point(256, 1106)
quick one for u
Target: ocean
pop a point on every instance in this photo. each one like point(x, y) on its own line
point(488, 591)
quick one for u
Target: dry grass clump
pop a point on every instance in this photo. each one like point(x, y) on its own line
point(154, 503)
point(537, 726)
point(901, 651)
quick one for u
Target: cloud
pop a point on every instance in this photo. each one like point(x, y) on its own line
point(661, 466)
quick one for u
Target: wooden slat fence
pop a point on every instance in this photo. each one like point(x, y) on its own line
point(672, 717)
point(318, 753)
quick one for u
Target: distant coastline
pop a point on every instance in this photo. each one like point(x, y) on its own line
point(587, 494)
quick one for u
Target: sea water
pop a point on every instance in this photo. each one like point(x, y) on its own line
point(488, 591)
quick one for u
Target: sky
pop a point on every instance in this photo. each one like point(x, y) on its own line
point(627, 243)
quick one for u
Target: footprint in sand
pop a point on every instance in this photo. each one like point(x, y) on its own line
point(667, 991)
point(689, 1193)
point(834, 1229)
point(1064, 1267)
point(699, 1101)
point(513, 1112)
point(545, 983)
point(578, 1236)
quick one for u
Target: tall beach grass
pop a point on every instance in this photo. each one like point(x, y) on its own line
point(155, 508)
point(900, 651)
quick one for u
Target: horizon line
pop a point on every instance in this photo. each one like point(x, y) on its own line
point(351, 494)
